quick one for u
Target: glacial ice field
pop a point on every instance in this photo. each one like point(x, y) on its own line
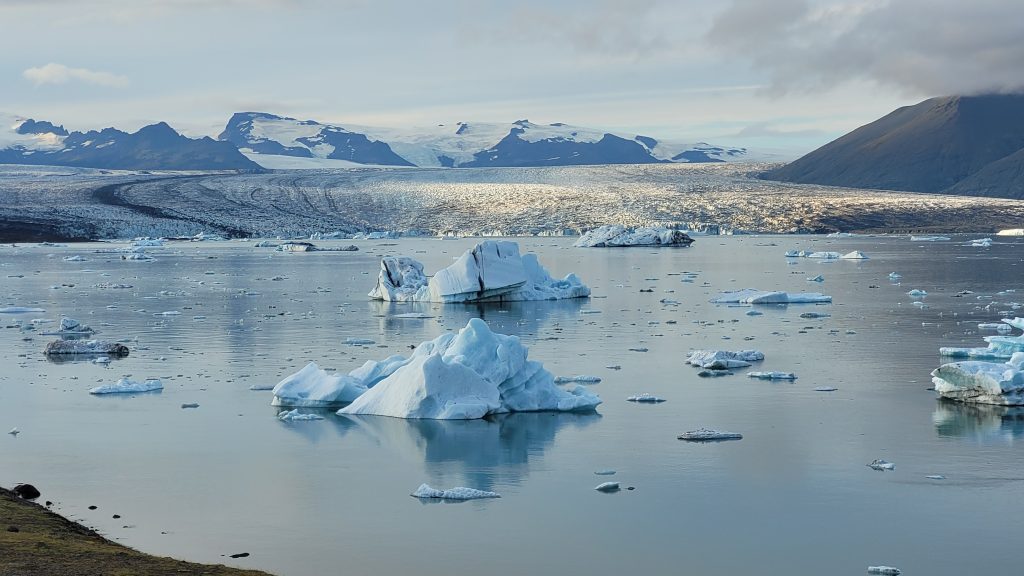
point(206, 467)
point(67, 203)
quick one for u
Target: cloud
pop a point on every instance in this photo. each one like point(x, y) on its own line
point(918, 47)
point(53, 73)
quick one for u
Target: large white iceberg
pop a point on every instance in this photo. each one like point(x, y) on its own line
point(490, 271)
point(982, 382)
point(754, 296)
point(615, 236)
point(469, 375)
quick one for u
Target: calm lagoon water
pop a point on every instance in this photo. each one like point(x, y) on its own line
point(332, 496)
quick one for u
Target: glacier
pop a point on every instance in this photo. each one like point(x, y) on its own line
point(491, 271)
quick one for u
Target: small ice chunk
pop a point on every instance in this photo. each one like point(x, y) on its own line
point(126, 386)
point(645, 398)
point(935, 477)
point(359, 341)
point(457, 493)
point(709, 435)
point(261, 387)
point(755, 296)
point(811, 315)
point(14, 431)
point(855, 255)
point(754, 313)
point(582, 379)
point(915, 293)
point(605, 472)
point(295, 416)
point(772, 375)
point(887, 570)
point(879, 464)
point(607, 487)
point(894, 276)
point(723, 359)
point(19, 310)
point(825, 389)
point(818, 278)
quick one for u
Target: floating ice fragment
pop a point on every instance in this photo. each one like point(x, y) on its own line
point(14, 431)
point(261, 387)
point(418, 315)
point(879, 464)
point(19, 310)
point(457, 493)
point(772, 375)
point(605, 472)
point(709, 435)
point(894, 276)
point(935, 477)
point(826, 389)
point(915, 293)
point(929, 238)
point(582, 379)
point(754, 296)
point(855, 255)
point(723, 359)
point(607, 487)
point(886, 570)
point(67, 347)
point(101, 360)
point(981, 243)
point(811, 315)
point(645, 398)
point(982, 382)
point(754, 313)
point(295, 416)
point(619, 236)
point(818, 278)
point(359, 341)
point(126, 386)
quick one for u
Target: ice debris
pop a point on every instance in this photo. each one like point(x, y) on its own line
point(723, 359)
point(772, 375)
point(645, 398)
point(463, 376)
point(886, 570)
point(915, 293)
point(457, 493)
point(615, 236)
point(581, 379)
point(65, 347)
point(981, 243)
point(19, 310)
point(607, 487)
point(492, 271)
point(1000, 347)
point(879, 464)
point(709, 435)
point(295, 416)
point(929, 238)
point(14, 431)
point(854, 255)
point(754, 296)
point(126, 386)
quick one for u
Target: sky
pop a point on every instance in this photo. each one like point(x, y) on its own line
point(772, 74)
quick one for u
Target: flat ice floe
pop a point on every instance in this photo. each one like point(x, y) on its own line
point(457, 493)
point(19, 310)
point(854, 255)
point(999, 347)
point(982, 382)
point(619, 236)
point(709, 435)
point(723, 359)
point(754, 296)
point(492, 271)
point(772, 375)
point(126, 386)
point(463, 376)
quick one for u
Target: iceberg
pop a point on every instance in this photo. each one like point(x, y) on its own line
point(457, 493)
point(492, 271)
point(294, 416)
point(709, 435)
point(929, 238)
point(126, 386)
point(645, 398)
point(885, 570)
point(981, 243)
point(723, 359)
point(463, 376)
point(754, 296)
point(613, 236)
point(855, 255)
point(607, 487)
point(313, 386)
point(67, 347)
point(1011, 232)
point(982, 382)
point(879, 464)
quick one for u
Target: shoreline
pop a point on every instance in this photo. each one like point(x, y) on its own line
point(37, 541)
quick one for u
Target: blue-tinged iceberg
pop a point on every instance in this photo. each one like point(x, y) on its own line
point(999, 347)
point(981, 382)
point(492, 271)
point(469, 375)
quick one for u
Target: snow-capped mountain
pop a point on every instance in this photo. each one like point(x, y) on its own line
point(281, 142)
point(153, 147)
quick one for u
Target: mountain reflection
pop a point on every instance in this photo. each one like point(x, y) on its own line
point(983, 423)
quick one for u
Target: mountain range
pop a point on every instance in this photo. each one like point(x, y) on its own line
point(965, 145)
point(258, 140)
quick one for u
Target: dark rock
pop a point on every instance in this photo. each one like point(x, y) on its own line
point(13, 529)
point(93, 507)
point(26, 491)
point(240, 555)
